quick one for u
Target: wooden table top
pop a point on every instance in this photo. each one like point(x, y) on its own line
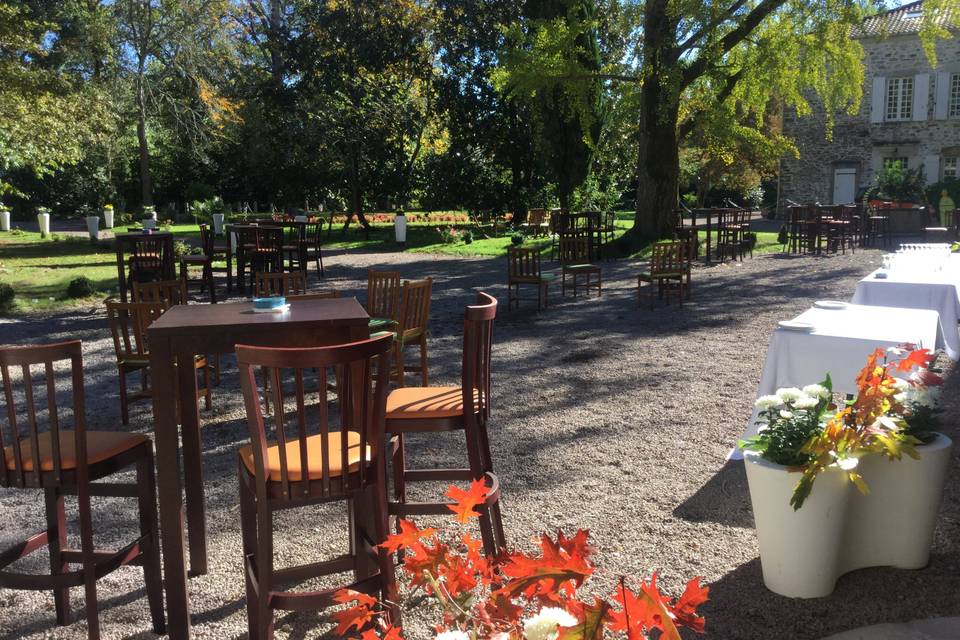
point(222, 318)
point(143, 234)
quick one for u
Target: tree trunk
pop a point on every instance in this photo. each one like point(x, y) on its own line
point(146, 183)
point(356, 201)
point(273, 36)
point(658, 156)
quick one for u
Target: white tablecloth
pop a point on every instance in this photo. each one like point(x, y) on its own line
point(911, 290)
point(839, 345)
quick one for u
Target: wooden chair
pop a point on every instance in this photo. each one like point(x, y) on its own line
point(523, 267)
point(204, 261)
point(280, 283)
point(128, 324)
point(150, 259)
point(668, 273)
point(412, 329)
point(320, 461)
point(537, 222)
point(465, 408)
point(313, 233)
point(383, 299)
point(165, 292)
point(608, 228)
point(62, 461)
point(575, 261)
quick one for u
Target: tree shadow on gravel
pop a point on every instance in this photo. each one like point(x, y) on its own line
point(724, 499)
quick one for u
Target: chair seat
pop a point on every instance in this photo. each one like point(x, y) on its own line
point(135, 361)
point(381, 324)
point(101, 445)
point(426, 402)
point(666, 274)
point(314, 457)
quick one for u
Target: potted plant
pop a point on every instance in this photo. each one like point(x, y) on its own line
point(4, 218)
point(108, 216)
point(811, 453)
point(43, 221)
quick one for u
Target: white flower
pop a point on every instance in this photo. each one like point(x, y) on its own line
point(786, 414)
point(806, 402)
point(817, 391)
point(847, 464)
point(789, 394)
point(900, 384)
point(767, 402)
point(453, 635)
point(545, 625)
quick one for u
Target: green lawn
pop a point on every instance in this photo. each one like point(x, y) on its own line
point(39, 269)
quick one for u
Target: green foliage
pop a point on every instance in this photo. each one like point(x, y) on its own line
point(950, 185)
point(517, 239)
point(81, 287)
point(467, 236)
point(7, 295)
point(181, 249)
point(898, 183)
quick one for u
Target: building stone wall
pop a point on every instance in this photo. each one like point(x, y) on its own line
point(859, 143)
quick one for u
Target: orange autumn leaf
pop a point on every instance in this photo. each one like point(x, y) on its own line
point(357, 616)
point(592, 621)
point(465, 501)
point(421, 557)
point(920, 358)
point(390, 633)
point(685, 609)
point(409, 535)
point(561, 567)
point(643, 611)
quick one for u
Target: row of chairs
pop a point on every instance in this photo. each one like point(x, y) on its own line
point(335, 461)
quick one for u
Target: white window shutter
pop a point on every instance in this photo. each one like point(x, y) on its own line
point(921, 96)
point(931, 169)
point(942, 106)
point(878, 99)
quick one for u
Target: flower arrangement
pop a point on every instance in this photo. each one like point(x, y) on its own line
point(108, 206)
point(43, 210)
point(893, 411)
point(517, 596)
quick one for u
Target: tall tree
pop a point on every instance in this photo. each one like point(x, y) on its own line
point(746, 51)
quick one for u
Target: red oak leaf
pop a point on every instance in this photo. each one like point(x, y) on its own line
point(501, 609)
point(642, 612)
point(685, 609)
point(465, 501)
point(420, 558)
point(409, 534)
point(458, 576)
point(562, 566)
point(359, 615)
point(592, 619)
point(920, 358)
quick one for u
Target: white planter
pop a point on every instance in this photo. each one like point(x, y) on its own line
point(43, 221)
point(108, 218)
point(893, 525)
point(300, 218)
point(800, 551)
point(218, 219)
point(4, 221)
point(149, 223)
point(838, 529)
point(400, 228)
point(93, 227)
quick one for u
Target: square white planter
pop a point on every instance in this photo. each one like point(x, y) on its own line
point(43, 221)
point(218, 224)
point(804, 552)
point(4, 221)
point(93, 227)
point(149, 223)
point(108, 218)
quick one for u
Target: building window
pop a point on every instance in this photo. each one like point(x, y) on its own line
point(949, 168)
point(955, 95)
point(889, 162)
point(899, 98)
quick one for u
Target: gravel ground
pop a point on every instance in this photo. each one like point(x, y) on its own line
point(605, 416)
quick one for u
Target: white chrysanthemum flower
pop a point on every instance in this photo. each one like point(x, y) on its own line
point(806, 402)
point(847, 464)
point(789, 394)
point(546, 624)
point(901, 397)
point(900, 384)
point(453, 635)
point(817, 391)
point(767, 402)
point(786, 415)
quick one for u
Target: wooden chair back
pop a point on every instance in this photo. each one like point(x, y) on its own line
point(477, 345)
point(149, 259)
point(279, 283)
point(128, 324)
point(246, 237)
point(383, 294)
point(207, 240)
point(415, 308)
point(320, 295)
point(312, 232)
point(165, 292)
point(668, 258)
point(523, 264)
point(535, 217)
point(300, 408)
point(40, 412)
point(270, 239)
point(574, 249)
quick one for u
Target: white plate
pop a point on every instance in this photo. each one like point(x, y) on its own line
point(280, 309)
point(793, 325)
point(830, 304)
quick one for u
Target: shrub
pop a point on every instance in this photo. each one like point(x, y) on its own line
point(180, 249)
point(6, 297)
point(517, 239)
point(80, 287)
point(467, 237)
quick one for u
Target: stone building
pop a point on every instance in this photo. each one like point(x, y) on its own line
point(910, 113)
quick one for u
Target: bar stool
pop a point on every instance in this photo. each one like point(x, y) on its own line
point(465, 408)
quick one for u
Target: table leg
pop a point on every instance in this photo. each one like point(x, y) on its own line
point(229, 262)
point(121, 273)
point(192, 464)
point(708, 236)
point(168, 488)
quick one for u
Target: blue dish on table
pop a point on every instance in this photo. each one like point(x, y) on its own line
point(269, 303)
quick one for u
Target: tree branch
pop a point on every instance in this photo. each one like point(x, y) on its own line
point(713, 24)
point(729, 83)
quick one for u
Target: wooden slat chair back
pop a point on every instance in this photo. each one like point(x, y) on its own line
point(278, 283)
point(313, 449)
point(465, 408)
point(575, 263)
point(149, 259)
point(44, 444)
point(669, 271)
point(412, 329)
point(165, 292)
point(205, 261)
point(384, 296)
point(313, 233)
point(523, 267)
point(574, 249)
